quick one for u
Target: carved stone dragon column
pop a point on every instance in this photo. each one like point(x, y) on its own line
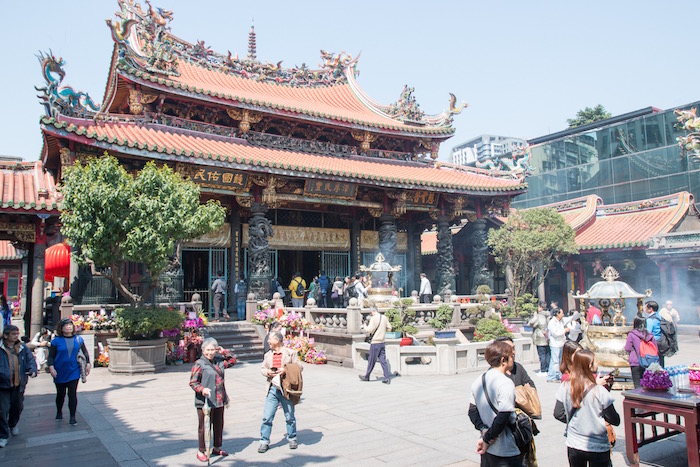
point(388, 238)
point(445, 256)
point(480, 256)
point(259, 271)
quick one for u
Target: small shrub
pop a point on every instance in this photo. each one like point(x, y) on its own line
point(507, 311)
point(443, 317)
point(145, 323)
point(483, 290)
point(526, 305)
point(488, 329)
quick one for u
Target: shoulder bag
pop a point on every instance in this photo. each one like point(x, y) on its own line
point(522, 428)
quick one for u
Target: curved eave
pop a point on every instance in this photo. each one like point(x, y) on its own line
point(80, 134)
point(616, 246)
point(168, 85)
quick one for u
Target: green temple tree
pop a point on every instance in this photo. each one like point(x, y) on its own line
point(530, 243)
point(110, 217)
point(588, 115)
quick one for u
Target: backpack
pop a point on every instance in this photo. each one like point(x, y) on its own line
point(300, 289)
point(668, 344)
point(648, 353)
point(350, 292)
point(242, 289)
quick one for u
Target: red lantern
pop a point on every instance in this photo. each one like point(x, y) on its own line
point(57, 261)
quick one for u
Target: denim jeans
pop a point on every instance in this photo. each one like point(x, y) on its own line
point(240, 306)
point(275, 398)
point(543, 353)
point(554, 362)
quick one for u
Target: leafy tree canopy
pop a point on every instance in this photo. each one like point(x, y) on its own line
point(530, 242)
point(109, 217)
point(589, 115)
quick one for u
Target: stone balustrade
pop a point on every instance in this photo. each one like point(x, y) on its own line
point(446, 357)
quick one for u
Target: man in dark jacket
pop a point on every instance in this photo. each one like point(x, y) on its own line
point(16, 363)
point(518, 374)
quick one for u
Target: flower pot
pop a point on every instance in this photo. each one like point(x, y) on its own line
point(393, 335)
point(136, 356)
point(406, 341)
point(445, 334)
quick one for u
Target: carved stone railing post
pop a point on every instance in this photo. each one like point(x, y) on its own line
point(251, 307)
point(66, 306)
point(308, 308)
point(445, 256)
point(456, 310)
point(354, 317)
point(480, 255)
point(259, 229)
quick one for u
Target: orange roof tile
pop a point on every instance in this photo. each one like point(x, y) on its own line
point(198, 147)
point(26, 186)
point(577, 212)
point(630, 225)
point(339, 102)
point(8, 252)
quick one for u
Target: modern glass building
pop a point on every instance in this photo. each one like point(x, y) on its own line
point(629, 157)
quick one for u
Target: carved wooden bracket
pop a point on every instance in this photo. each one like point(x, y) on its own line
point(138, 99)
point(269, 193)
point(246, 117)
point(399, 207)
point(244, 201)
point(376, 212)
point(365, 139)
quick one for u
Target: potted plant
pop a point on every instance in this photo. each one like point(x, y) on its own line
point(401, 318)
point(139, 347)
point(489, 328)
point(442, 321)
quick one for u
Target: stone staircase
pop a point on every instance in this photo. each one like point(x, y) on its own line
point(240, 337)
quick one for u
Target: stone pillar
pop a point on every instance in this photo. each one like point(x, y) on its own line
point(234, 259)
point(354, 317)
point(674, 283)
point(23, 285)
point(37, 285)
point(355, 253)
point(388, 238)
point(259, 229)
point(480, 256)
point(541, 296)
point(509, 284)
point(413, 258)
point(663, 275)
point(445, 256)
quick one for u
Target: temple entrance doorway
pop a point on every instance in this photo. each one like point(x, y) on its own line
point(200, 267)
point(290, 261)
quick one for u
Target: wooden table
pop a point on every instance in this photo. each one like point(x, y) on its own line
point(656, 409)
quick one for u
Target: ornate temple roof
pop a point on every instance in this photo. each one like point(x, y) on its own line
point(147, 53)
point(27, 187)
point(624, 225)
point(159, 141)
point(8, 252)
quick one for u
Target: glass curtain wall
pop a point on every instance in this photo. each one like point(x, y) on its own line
point(629, 161)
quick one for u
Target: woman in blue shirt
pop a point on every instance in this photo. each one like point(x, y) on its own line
point(64, 366)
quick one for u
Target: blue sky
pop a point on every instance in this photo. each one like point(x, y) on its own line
point(523, 67)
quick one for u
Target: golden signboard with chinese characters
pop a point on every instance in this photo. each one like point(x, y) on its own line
point(305, 238)
point(369, 241)
point(330, 188)
point(223, 179)
point(422, 198)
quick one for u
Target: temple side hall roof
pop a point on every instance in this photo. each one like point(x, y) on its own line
point(25, 187)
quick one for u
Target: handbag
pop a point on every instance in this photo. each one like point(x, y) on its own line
point(527, 399)
point(612, 437)
point(522, 428)
point(334, 295)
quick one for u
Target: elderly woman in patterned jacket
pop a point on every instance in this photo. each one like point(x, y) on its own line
point(207, 381)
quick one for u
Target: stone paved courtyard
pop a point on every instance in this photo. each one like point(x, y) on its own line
point(150, 420)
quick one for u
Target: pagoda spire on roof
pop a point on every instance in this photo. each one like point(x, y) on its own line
point(251, 41)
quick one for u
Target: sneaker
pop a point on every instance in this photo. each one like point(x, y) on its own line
point(73, 421)
point(14, 430)
point(262, 448)
point(386, 381)
point(59, 416)
point(202, 457)
point(363, 378)
point(3, 442)
point(293, 443)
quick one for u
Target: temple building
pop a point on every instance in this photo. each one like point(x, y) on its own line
point(315, 175)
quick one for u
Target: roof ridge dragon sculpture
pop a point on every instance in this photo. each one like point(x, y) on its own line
point(517, 164)
point(61, 99)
